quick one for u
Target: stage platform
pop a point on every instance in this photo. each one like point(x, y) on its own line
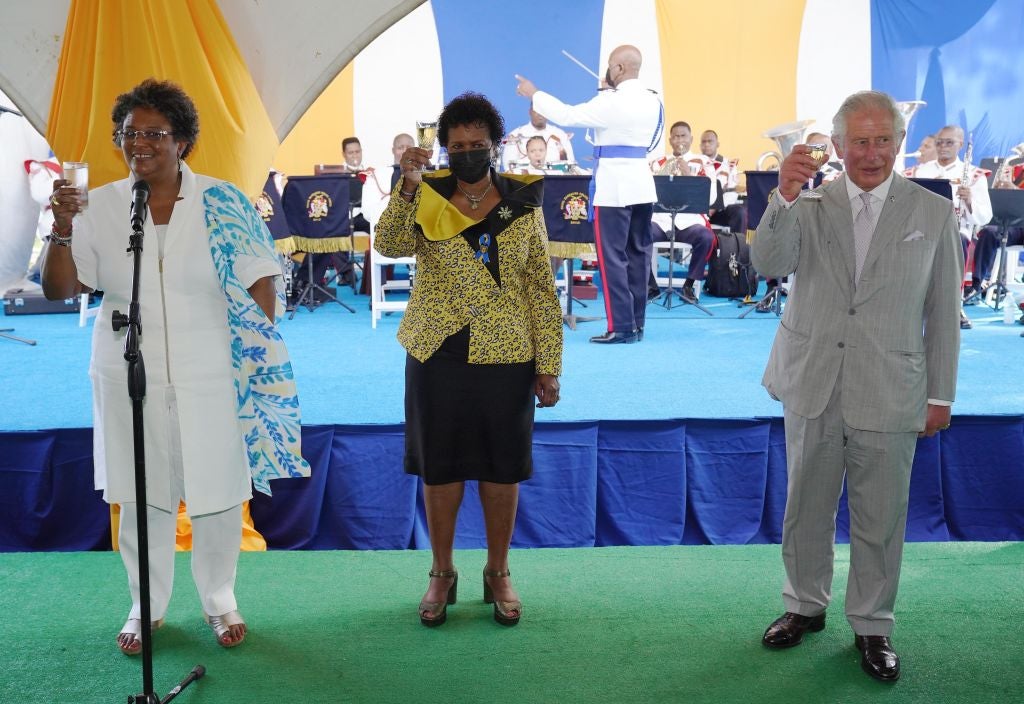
point(669, 441)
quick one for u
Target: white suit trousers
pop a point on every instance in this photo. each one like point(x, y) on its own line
point(820, 452)
point(216, 542)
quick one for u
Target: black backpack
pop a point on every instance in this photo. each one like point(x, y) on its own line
point(730, 274)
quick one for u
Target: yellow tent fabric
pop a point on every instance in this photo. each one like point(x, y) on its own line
point(112, 45)
point(742, 39)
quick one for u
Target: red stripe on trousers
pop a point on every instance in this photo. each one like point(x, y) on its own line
point(600, 265)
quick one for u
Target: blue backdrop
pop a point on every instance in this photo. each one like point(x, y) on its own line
point(473, 60)
point(964, 58)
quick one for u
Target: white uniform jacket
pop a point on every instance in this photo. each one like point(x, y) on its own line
point(981, 204)
point(628, 115)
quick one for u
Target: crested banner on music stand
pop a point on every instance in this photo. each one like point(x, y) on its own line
point(566, 207)
point(268, 205)
point(317, 211)
point(760, 184)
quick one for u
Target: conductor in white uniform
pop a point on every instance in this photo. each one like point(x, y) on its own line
point(627, 119)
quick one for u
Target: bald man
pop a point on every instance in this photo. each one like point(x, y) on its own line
point(628, 120)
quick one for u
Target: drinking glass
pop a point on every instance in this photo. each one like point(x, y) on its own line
point(426, 134)
point(819, 152)
point(77, 175)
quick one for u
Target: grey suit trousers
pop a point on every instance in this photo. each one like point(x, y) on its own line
point(820, 452)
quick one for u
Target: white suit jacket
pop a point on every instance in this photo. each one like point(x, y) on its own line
point(185, 344)
point(896, 334)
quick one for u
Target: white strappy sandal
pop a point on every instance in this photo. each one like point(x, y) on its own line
point(133, 627)
point(221, 627)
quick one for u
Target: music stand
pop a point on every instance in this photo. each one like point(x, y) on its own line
point(1007, 212)
point(680, 194)
point(6, 334)
point(317, 210)
point(760, 185)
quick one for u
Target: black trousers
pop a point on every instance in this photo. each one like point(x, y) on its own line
point(623, 238)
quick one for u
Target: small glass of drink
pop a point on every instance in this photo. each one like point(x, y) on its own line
point(77, 175)
point(819, 152)
point(426, 133)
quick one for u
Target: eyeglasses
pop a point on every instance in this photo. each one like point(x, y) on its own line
point(135, 135)
point(945, 142)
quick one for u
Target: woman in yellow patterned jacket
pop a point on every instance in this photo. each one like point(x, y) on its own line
point(483, 332)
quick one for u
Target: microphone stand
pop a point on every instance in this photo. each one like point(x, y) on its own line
point(137, 393)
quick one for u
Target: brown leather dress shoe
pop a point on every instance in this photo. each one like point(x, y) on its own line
point(788, 630)
point(877, 658)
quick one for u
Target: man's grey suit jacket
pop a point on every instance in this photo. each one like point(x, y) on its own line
point(896, 334)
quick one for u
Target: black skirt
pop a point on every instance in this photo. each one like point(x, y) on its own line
point(468, 421)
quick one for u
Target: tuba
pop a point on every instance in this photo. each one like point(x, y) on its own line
point(786, 136)
point(907, 109)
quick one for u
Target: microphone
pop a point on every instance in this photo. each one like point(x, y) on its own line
point(140, 191)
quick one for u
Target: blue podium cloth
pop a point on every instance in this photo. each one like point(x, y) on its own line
point(595, 483)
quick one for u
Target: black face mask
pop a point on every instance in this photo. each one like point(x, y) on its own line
point(608, 77)
point(471, 165)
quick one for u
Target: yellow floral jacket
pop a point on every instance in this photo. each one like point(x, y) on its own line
point(516, 321)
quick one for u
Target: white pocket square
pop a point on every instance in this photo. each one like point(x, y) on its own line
point(915, 235)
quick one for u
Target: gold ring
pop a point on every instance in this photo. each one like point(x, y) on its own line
point(53, 200)
point(944, 427)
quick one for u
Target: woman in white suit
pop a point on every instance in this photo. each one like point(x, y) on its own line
point(207, 285)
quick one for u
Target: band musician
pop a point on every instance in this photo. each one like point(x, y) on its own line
point(970, 194)
point(1009, 176)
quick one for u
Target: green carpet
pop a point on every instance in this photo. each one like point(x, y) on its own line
point(679, 624)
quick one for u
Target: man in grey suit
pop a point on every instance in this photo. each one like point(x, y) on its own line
point(864, 362)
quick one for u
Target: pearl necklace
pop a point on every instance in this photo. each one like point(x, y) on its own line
point(474, 201)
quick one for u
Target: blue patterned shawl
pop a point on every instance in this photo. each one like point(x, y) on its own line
point(267, 403)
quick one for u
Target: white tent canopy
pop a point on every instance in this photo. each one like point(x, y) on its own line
point(293, 49)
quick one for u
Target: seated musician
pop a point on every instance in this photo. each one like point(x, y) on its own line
point(1010, 176)
point(694, 230)
point(725, 211)
point(557, 140)
point(925, 153)
point(970, 198)
point(537, 153)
